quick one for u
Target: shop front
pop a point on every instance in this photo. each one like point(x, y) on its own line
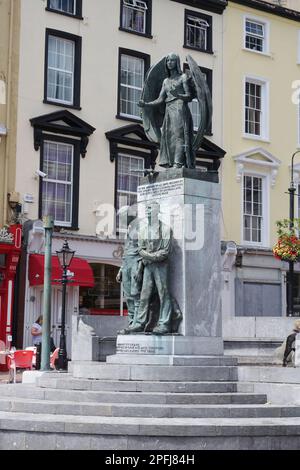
point(93, 289)
point(80, 275)
point(105, 298)
point(10, 249)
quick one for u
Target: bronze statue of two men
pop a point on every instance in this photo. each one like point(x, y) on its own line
point(144, 273)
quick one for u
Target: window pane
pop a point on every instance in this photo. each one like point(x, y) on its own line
point(252, 209)
point(255, 36)
point(134, 15)
point(57, 186)
point(197, 32)
point(195, 110)
point(61, 53)
point(130, 170)
point(132, 80)
point(67, 6)
point(253, 108)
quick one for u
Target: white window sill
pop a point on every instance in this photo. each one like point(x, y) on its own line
point(261, 246)
point(253, 51)
point(256, 137)
point(54, 101)
point(62, 224)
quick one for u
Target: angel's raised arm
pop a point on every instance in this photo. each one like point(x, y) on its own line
point(160, 100)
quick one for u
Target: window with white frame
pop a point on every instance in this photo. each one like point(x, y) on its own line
point(255, 108)
point(194, 105)
point(132, 74)
point(62, 68)
point(255, 35)
point(130, 170)
point(134, 15)
point(66, 6)
point(253, 209)
point(57, 186)
point(195, 111)
point(198, 31)
point(60, 83)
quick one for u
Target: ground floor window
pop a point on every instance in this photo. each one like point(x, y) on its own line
point(257, 299)
point(105, 297)
point(296, 294)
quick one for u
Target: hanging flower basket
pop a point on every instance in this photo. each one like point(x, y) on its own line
point(287, 247)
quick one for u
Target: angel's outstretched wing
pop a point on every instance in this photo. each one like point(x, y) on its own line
point(203, 95)
point(153, 116)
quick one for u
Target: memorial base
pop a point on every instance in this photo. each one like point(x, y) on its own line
point(168, 345)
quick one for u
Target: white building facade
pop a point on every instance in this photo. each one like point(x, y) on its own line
point(81, 148)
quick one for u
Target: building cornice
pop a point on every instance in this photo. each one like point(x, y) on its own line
point(87, 238)
point(214, 6)
point(270, 8)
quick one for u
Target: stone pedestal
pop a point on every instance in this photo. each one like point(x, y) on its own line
point(190, 202)
point(177, 345)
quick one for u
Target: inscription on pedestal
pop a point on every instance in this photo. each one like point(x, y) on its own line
point(137, 348)
point(159, 190)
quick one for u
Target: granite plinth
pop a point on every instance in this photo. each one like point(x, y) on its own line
point(167, 345)
point(191, 207)
point(173, 173)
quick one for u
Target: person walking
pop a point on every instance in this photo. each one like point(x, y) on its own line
point(290, 347)
point(36, 331)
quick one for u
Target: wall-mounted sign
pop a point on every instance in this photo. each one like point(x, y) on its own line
point(28, 198)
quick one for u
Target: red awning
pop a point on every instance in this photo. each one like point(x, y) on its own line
point(80, 271)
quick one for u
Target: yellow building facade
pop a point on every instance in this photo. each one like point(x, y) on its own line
point(261, 133)
point(9, 65)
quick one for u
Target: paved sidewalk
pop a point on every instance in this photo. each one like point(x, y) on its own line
point(4, 377)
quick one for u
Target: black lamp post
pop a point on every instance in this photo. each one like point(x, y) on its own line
point(65, 256)
point(292, 190)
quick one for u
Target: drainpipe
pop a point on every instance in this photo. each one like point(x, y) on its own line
point(8, 105)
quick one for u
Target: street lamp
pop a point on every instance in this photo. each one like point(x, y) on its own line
point(291, 190)
point(65, 256)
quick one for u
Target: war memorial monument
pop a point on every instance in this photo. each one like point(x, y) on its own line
point(169, 386)
point(171, 269)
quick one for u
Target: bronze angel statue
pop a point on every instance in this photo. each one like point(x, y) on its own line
point(166, 114)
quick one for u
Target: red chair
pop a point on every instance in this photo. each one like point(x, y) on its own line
point(32, 348)
point(19, 360)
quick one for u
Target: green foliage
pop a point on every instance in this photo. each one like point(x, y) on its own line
point(288, 227)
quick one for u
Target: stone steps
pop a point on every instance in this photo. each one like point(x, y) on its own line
point(184, 373)
point(27, 391)
point(35, 406)
point(144, 406)
point(136, 386)
point(201, 361)
point(259, 361)
point(23, 431)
